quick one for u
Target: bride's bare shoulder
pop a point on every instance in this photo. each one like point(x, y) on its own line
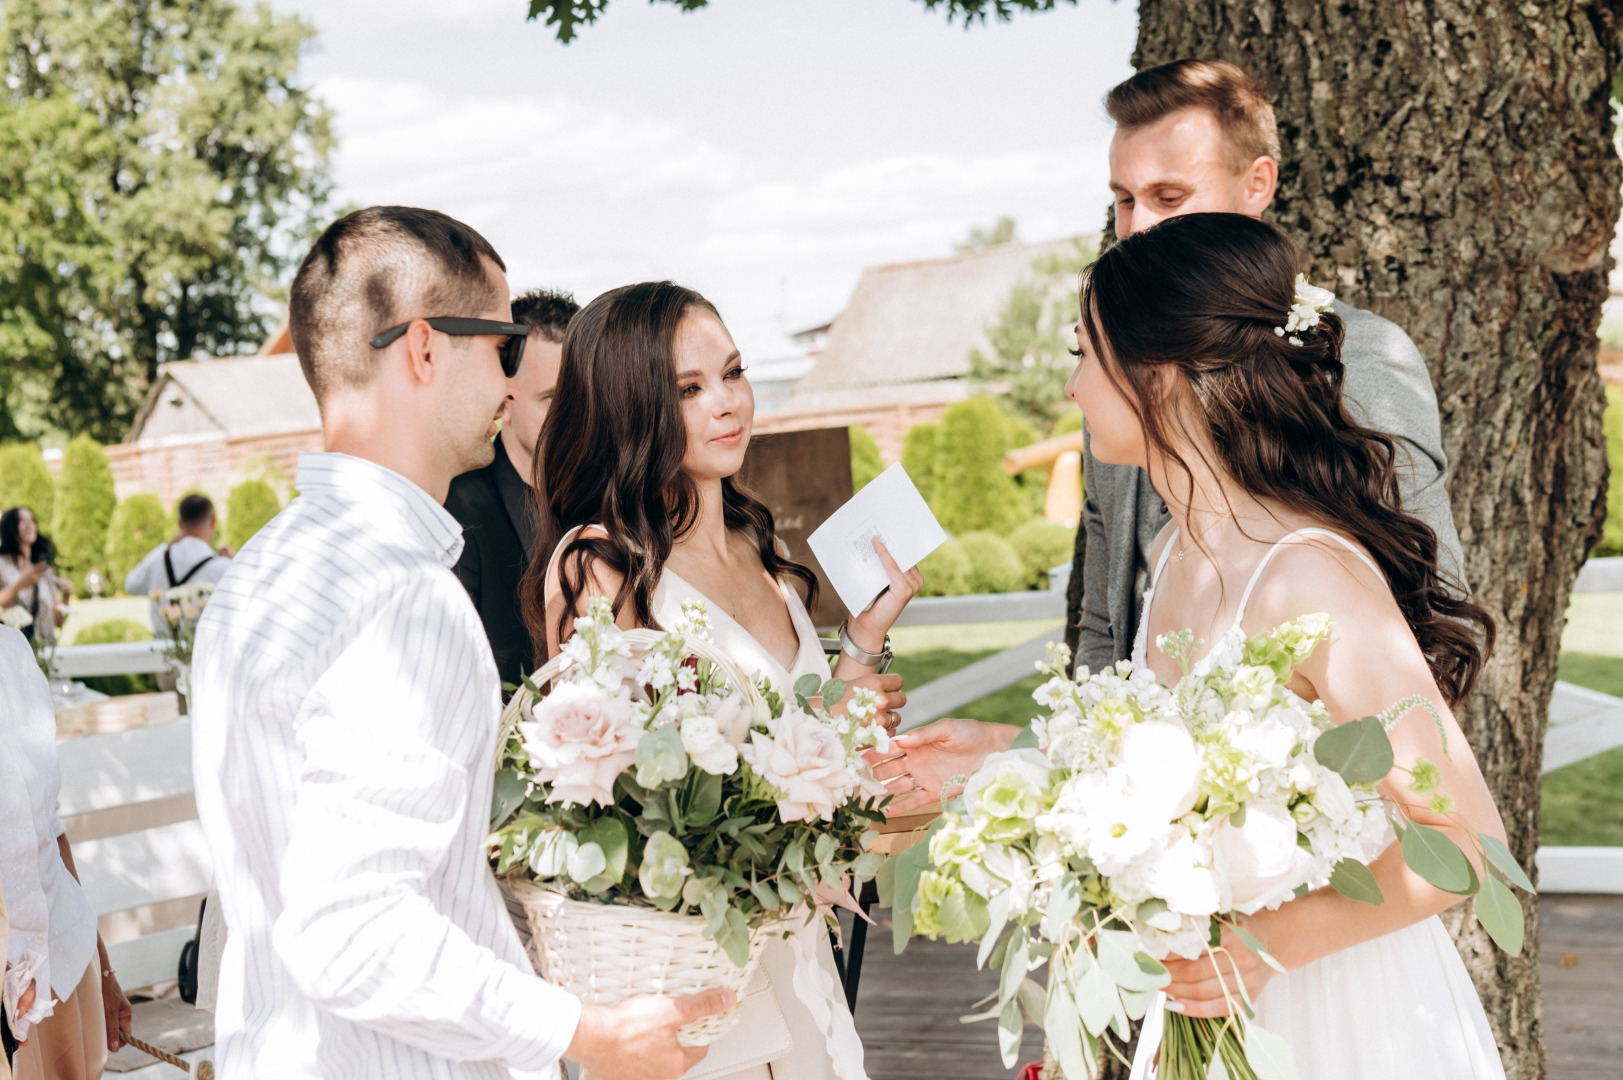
point(1315, 573)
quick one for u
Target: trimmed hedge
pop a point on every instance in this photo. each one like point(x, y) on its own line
point(946, 571)
point(26, 481)
point(972, 492)
point(252, 504)
point(993, 565)
point(139, 525)
point(1042, 545)
point(865, 461)
point(919, 458)
point(111, 632)
point(85, 502)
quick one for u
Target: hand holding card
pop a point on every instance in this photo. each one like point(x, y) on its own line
point(889, 508)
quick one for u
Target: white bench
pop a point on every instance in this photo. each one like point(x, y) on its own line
point(131, 817)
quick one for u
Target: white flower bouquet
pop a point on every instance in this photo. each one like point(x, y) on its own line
point(180, 607)
point(650, 794)
point(1139, 821)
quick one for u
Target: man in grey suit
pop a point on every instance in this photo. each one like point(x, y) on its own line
point(1199, 136)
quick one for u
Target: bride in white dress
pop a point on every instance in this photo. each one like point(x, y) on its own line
point(1282, 506)
point(650, 421)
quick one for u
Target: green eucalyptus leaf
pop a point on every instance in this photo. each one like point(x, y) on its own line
point(1359, 750)
point(1500, 913)
point(789, 891)
point(1434, 856)
point(1356, 881)
point(1033, 999)
point(1500, 856)
point(963, 917)
point(1270, 1056)
point(833, 693)
point(1255, 946)
point(1026, 740)
point(997, 914)
point(506, 796)
point(1064, 901)
point(704, 798)
point(1009, 1030)
point(1137, 1003)
point(1096, 997)
point(825, 848)
point(866, 866)
point(1123, 959)
point(586, 863)
point(1064, 1030)
point(610, 835)
point(734, 937)
point(1015, 965)
point(765, 895)
point(806, 688)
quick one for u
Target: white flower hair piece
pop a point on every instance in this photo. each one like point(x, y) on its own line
point(1311, 301)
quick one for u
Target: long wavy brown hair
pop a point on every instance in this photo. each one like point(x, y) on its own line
point(611, 455)
point(1202, 293)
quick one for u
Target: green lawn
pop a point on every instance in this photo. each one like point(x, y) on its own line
point(925, 653)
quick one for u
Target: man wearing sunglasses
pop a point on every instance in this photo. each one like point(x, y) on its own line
point(345, 709)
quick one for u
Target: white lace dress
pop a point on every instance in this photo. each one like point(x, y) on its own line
point(1401, 1005)
point(795, 1024)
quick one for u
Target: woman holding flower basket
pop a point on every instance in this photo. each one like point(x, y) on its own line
point(687, 734)
point(1263, 816)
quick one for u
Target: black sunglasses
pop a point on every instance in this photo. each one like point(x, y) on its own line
point(512, 350)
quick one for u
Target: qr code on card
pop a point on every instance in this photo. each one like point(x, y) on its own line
point(862, 541)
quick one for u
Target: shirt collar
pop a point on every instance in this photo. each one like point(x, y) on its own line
point(358, 480)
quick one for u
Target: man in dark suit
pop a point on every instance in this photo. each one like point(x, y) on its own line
point(495, 504)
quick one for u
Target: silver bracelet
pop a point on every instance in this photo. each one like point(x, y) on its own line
point(858, 653)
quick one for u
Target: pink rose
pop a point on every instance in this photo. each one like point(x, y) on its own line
point(579, 739)
point(804, 760)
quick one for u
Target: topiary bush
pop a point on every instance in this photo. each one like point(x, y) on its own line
point(85, 502)
point(865, 461)
point(26, 481)
point(252, 504)
point(139, 525)
point(973, 493)
point(919, 458)
point(112, 632)
point(1042, 545)
point(946, 571)
point(993, 565)
point(1611, 540)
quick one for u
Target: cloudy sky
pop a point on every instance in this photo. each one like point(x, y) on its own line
point(761, 151)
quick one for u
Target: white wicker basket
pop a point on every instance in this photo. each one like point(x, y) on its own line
point(605, 953)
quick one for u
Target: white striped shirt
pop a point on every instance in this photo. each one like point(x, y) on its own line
point(345, 708)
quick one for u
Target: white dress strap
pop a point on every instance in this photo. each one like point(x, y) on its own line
point(1161, 563)
point(1256, 575)
point(558, 549)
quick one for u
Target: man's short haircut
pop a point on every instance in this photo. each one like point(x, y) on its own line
point(377, 268)
point(1225, 91)
point(546, 312)
point(195, 509)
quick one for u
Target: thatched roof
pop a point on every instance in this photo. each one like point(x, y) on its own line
point(239, 397)
point(918, 321)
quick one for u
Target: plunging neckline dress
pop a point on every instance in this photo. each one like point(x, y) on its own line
point(795, 999)
point(1398, 1005)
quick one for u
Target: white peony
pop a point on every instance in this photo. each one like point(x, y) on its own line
point(1258, 863)
point(1181, 874)
point(1333, 798)
point(1162, 767)
point(707, 746)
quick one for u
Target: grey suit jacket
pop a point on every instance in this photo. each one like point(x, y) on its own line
point(1387, 388)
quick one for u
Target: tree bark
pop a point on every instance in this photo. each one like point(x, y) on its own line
point(1449, 164)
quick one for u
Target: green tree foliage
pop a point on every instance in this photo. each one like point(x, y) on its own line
point(1611, 542)
point(567, 16)
point(252, 504)
point(994, 566)
point(1001, 232)
point(972, 493)
point(946, 571)
point(920, 458)
point(1032, 338)
point(139, 524)
point(84, 508)
point(1042, 545)
point(160, 167)
point(865, 461)
point(25, 481)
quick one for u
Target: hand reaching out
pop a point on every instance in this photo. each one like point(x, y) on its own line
point(636, 1039)
point(935, 753)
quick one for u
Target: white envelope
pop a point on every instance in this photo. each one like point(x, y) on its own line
point(891, 508)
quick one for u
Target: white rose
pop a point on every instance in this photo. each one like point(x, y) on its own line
point(804, 760)
point(1333, 798)
point(1181, 874)
point(1259, 863)
point(1162, 767)
point(707, 746)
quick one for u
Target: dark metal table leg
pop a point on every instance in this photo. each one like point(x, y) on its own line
point(859, 940)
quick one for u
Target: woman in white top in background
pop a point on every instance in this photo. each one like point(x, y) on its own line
point(650, 422)
point(26, 580)
point(61, 996)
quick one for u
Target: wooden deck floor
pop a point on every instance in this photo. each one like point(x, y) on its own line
point(909, 1005)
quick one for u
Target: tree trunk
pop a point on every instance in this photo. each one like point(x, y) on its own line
point(1450, 165)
